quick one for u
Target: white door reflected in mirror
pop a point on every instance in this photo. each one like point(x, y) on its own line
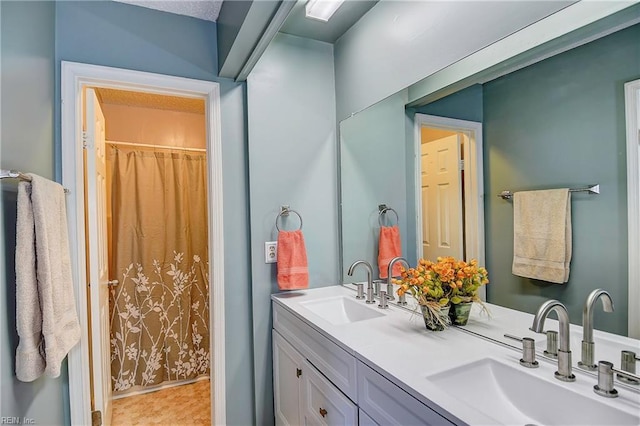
point(441, 193)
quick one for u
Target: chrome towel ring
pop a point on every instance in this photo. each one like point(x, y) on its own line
point(382, 210)
point(284, 211)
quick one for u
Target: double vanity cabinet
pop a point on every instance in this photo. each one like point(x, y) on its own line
point(317, 382)
point(338, 361)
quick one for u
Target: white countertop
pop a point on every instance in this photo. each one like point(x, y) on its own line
point(399, 347)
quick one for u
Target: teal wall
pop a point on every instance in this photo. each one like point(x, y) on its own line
point(398, 43)
point(377, 149)
point(36, 36)
point(560, 123)
point(373, 163)
point(26, 143)
point(123, 36)
point(292, 159)
point(229, 23)
point(463, 105)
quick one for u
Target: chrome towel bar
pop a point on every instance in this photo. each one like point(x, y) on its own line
point(14, 174)
point(593, 189)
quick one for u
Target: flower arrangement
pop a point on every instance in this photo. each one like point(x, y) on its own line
point(438, 285)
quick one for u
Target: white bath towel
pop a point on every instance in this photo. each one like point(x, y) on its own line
point(542, 235)
point(46, 317)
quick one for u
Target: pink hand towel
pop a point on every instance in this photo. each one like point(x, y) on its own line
point(293, 272)
point(389, 247)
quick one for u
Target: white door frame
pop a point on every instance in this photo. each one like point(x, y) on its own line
point(74, 77)
point(632, 112)
point(473, 185)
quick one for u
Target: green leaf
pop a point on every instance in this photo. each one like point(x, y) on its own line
point(455, 300)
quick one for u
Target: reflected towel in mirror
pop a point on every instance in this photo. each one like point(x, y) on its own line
point(542, 235)
point(389, 246)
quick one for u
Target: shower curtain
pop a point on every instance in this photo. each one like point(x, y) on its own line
point(159, 310)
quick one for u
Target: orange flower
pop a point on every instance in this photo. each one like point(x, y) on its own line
point(446, 280)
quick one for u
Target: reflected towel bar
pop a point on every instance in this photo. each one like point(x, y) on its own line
point(14, 174)
point(383, 209)
point(593, 189)
point(4, 174)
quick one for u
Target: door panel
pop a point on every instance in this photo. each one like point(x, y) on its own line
point(441, 198)
point(96, 198)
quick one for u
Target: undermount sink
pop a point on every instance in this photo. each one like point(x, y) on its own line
point(512, 397)
point(341, 310)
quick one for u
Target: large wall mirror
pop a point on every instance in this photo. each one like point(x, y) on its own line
point(557, 122)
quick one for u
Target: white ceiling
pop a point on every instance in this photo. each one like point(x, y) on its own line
point(202, 9)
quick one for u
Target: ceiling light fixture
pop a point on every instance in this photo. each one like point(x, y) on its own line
point(322, 10)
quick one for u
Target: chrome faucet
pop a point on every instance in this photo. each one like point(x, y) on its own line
point(390, 274)
point(564, 352)
point(369, 269)
point(586, 362)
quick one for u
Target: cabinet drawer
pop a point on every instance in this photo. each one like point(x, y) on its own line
point(335, 363)
point(322, 403)
point(387, 404)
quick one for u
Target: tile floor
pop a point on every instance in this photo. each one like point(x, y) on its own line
point(180, 405)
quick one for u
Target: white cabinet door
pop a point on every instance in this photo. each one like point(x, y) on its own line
point(338, 365)
point(365, 420)
point(287, 372)
point(323, 403)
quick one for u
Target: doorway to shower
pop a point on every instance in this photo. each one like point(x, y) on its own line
point(148, 152)
point(155, 288)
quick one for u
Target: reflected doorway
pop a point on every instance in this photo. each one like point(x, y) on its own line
point(449, 191)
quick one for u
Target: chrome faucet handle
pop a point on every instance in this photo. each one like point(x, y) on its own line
point(370, 295)
point(402, 300)
point(628, 365)
point(376, 286)
point(383, 300)
point(528, 351)
point(586, 363)
point(552, 344)
point(390, 291)
point(605, 379)
point(360, 288)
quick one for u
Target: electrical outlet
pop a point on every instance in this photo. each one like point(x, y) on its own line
point(270, 252)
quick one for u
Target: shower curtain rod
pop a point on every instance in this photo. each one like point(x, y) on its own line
point(157, 146)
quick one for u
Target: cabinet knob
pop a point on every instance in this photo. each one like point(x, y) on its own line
point(298, 372)
point(323, 412)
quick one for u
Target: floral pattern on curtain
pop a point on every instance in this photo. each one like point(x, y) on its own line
point(159, 310)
